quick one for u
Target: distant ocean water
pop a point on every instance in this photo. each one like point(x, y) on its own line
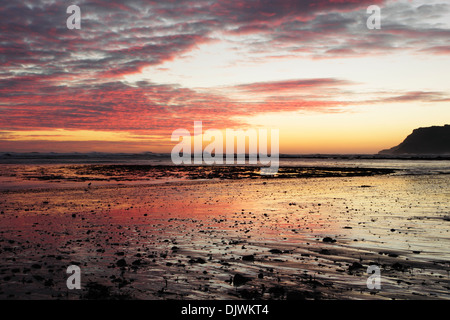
point(411, 165)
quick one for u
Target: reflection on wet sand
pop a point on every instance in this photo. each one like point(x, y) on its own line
point(230, 239)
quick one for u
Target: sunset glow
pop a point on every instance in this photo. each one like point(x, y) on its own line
point(136, 71)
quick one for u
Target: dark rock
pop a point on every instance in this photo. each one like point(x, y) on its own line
point(399, 267)
point(197, 260)
point(137, 262)
point(239, 280)
point(250, 294)
point(277, 291)
point(49, 283)
point(276, 251)
point(121, 263)
point(38, 277)
point(249, 258)
point(296, 295)
point(97, 291)
point(355, 266)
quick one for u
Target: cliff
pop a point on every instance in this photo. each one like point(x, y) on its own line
point(429, 140)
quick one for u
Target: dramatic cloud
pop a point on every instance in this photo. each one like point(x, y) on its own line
point(419, 96)
point(52, 77)
point(145, 108)
point(290, 85)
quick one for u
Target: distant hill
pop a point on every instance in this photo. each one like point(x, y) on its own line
point(429, 140)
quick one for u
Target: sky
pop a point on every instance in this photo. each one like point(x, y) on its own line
point(138, 70)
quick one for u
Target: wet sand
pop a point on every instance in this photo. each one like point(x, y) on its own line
point(299, 238)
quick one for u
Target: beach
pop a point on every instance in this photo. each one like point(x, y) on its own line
point(189, 153)
point(309, 237)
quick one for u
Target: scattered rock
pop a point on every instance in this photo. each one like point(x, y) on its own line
point(137, 262)
point(355, 266)
point(276, 251)
point(249, 257)
point(277, 292)
point(250, 294)
point(399, 267)
point(328, 239)
point(239, 280)
point(197, 260)
point(121, 263)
